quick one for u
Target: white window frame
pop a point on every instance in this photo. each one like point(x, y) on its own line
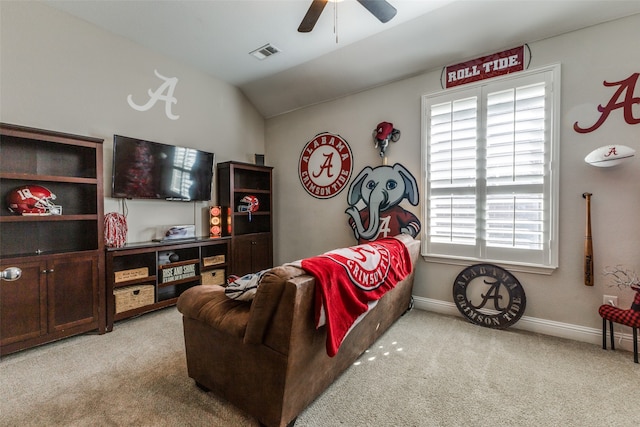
point(546, 260)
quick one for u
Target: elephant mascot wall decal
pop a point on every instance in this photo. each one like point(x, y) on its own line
point(381, 190)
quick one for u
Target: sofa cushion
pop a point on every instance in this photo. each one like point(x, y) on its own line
point(209, 304)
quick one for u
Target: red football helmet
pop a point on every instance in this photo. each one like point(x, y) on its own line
point(248, 204)
point(32, 200)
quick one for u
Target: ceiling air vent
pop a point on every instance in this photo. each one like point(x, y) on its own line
point(265, 51)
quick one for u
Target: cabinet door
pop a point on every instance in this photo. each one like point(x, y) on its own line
point(251, 253)
point(261, 253)
point(73, 292)
point(241, 255)
point(23, 303)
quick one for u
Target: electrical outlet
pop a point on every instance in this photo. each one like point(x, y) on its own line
point(610, 299)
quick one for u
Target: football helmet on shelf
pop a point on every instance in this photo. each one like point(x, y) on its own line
point(32, 200)
point(248, 203)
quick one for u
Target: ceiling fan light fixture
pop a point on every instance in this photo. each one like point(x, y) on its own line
point(265, 51)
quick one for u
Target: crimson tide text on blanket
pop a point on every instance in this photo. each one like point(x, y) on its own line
point(349, 279)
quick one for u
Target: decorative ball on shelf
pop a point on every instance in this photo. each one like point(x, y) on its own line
point(167, 257)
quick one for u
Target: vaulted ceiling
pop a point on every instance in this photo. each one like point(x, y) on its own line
point(348, 51)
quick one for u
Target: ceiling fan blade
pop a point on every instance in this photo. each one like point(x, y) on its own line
point(381, 9)
point(310, 19)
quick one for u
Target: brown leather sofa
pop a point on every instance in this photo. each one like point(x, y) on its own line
point(266, 356)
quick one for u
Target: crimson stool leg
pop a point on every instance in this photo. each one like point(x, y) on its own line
point(613, 346)
point(635, 345)
point(604, 333)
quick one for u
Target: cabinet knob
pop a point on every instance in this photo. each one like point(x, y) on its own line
point(10, 274)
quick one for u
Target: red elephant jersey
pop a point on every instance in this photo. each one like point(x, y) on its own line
point(391, 222)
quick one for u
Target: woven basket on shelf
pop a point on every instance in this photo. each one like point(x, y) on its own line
point(130, 297)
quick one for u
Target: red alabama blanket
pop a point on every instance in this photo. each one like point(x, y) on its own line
point(348, 279)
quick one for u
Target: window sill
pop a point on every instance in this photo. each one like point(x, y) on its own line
point(510, 266)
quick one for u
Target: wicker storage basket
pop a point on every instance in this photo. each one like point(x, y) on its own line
point(213, 277)
point(130, 297)
point(212, 260)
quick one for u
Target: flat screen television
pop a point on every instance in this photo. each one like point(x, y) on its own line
point(151, 170)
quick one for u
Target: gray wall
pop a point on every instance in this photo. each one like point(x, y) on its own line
point(558, 303)
point(63, 74)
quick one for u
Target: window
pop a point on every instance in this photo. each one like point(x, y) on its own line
point(490, 156)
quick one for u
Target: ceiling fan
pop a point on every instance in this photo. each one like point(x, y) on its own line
point(381, 9)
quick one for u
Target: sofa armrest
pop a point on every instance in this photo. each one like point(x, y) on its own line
point(266, 303)
point(294, 316)
point(209, 305)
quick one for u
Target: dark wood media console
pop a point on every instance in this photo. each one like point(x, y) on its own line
point(143, 277)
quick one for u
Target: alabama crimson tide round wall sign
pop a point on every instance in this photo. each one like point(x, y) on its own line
point(325, 165)
point(497, 299)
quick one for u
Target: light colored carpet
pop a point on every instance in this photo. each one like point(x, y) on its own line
point(427, 370)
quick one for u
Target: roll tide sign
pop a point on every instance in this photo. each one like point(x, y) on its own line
point(493, 65)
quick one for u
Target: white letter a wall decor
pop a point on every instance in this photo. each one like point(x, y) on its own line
point(168, 86)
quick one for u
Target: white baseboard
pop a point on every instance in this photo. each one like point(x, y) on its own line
point(541, 326)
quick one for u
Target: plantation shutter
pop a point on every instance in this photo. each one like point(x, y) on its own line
point(488, 175)
point(452, 171)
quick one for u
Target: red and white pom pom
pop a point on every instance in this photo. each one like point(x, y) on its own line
point(115, 230)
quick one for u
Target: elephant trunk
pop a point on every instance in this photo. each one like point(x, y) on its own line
point(377, 201)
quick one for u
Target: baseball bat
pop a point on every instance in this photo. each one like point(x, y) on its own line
point(588, 245)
